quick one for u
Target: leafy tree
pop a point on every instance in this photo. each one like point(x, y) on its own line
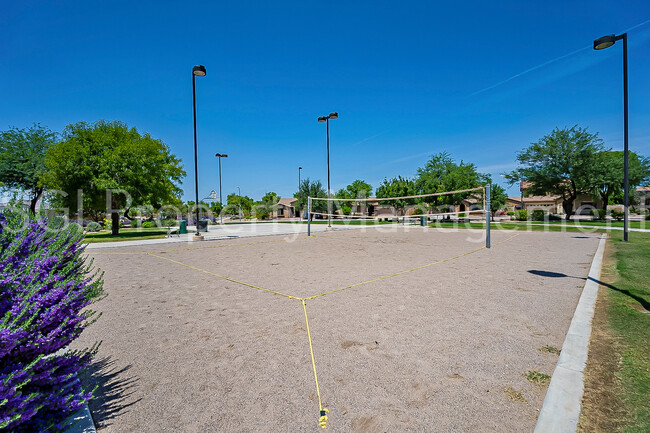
point(610, 174)
point(561, 163)
point(215, 207)
point(99, 157)
point(234, 201)
point(357, 189)
point(498, 198)
point(22, 159)
point(442, 174)
point(269, 204)
point(397, 187)
point(270, 199)
point(311, 189)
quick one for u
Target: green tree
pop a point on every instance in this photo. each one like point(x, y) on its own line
point(311, 189)
point(498, 198)
point(111, 163)
point(357, 189)
point(610, 174)
point(265, 208)
point(215, 207)
point(397, 187)
point(235, 200)
point(270, 199)
point(22, 159)
point(561, 163)
point(442, 174)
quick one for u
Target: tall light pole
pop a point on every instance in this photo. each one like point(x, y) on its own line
point(326, 119)
point(197, 71)
point(600, 44)
point(239, 199)
point(220, 155)
point(299, 211)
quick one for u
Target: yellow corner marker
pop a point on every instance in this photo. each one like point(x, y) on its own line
point(322, 421)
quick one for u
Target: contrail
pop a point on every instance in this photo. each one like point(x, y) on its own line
point(534, 68)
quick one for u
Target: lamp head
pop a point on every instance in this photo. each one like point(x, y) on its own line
point(299, 168)
point(322, 119)
point(334, 115)
point(604, 42)
point(199, 71)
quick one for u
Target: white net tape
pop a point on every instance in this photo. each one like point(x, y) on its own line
point(428, 212)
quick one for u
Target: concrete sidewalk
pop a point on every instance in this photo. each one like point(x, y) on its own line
point(229, 231)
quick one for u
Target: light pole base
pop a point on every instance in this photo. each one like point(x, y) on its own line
point(197, 237)
point(328, 228)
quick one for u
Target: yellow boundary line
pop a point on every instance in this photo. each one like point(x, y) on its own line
point(223, 277)
point(323, 417)
point(385, 277)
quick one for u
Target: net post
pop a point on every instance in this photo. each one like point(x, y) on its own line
point(308, 216)
point(488, 213)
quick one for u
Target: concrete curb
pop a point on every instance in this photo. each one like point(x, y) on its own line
point(83, 422)
point(561, 408)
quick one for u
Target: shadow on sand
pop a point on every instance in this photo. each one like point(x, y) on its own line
point(645, 304)
point(114, 387)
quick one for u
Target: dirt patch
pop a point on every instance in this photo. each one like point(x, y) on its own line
point(514, 395)
point(602, 407)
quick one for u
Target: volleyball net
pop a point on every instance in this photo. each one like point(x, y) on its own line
point(465, 204)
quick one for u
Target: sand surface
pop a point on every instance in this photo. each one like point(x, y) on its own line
point(432, 350)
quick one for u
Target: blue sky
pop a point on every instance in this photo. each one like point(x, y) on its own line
point(408, 79)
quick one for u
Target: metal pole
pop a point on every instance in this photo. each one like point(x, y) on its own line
point(196, 162)
point(329, 190)
point(308, 216)
point(239, 200)
point(299, 168)
point(626, 185)
point(220, 194)
point(488, 213)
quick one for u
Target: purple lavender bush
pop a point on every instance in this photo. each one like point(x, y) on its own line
point(45, 287)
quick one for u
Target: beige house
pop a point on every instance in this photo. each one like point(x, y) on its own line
point(583, 205)
point(643, 195)
point(286, 208)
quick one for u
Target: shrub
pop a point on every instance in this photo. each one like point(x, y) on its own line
point(647, 215)
point(511, 213)
point(617, 215)
point(45, 288)
point(136, 223)
point(75, 228)
point(554, 217)
point(521, 215)
point(347, 210)
point(148, 224)
point(169, 222)
point(93, 227)
point(599, 214)
point(538, 215)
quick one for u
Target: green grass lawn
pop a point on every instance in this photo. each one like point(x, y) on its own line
point(632, 224)
point(125, 235)
point(522, 227)
point(629, 319)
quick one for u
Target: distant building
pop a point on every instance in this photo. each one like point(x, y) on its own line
point(582, 205)
point(286, 208)
point(643, 195)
